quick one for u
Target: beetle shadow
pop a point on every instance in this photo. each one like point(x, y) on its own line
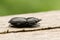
point(34, 26)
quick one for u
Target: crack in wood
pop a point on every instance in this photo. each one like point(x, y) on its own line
point(48, 28)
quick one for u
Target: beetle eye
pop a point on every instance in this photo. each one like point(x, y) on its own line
point(39, 20)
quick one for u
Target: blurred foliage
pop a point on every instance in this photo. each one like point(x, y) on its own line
point(8, 7)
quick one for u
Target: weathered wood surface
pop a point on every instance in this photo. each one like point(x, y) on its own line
point(50, 20)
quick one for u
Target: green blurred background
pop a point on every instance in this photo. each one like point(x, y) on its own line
point(8, 7)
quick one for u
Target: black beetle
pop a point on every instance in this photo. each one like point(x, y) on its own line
point(24, 22)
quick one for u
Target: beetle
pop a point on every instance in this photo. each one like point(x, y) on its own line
point(23, 22)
